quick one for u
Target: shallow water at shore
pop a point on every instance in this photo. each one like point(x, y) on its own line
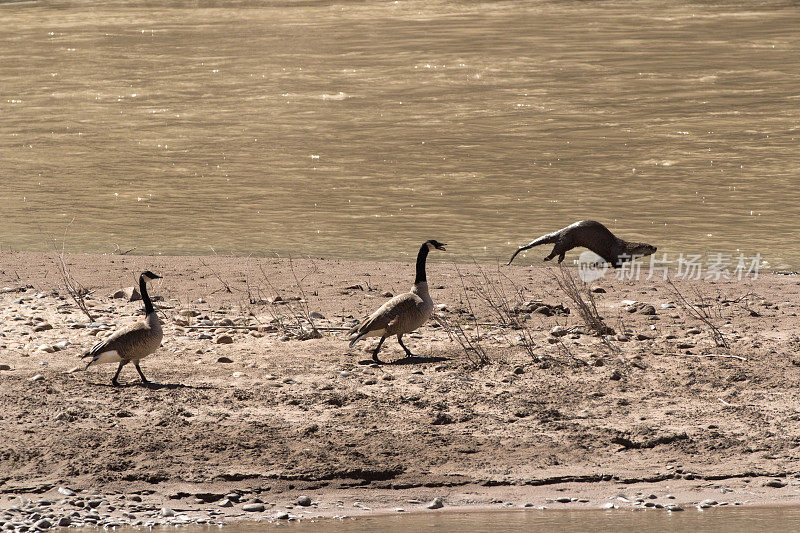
point(731, 520)
point(357, 130)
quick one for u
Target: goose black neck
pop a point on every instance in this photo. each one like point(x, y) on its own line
point(421, 257)
point(148, 305)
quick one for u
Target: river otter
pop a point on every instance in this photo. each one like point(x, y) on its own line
point(594, 236)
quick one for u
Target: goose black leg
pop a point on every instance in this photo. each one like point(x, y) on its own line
point(377, 349)
point(114, 379)
point(139, 370)
point(408, 352)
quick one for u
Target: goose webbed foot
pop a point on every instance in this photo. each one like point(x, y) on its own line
point(405, 348)
point(378, 349)
point(145, 381)
point(116, 376)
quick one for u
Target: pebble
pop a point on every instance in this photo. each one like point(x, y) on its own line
point(775, 483)
point(709, 502)
point(224, 339)
point(37, 377)
point(436, 503)
point(304, 501)
point(66, 492)
point(225, 503)
point(5, 367)
point(224, 360)
point(128, 293)
point(674, 508)
point(253, 507)
point(563, 499)
point(43, 524)
point(64, 521)
point(282, 515)
point(559, 331)
point(608, 505)
point(167, 512)
point(647, 309)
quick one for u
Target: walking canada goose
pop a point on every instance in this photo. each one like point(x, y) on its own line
point(402, 314)
point(133, 343)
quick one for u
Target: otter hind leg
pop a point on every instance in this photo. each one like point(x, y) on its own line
point(558, 250)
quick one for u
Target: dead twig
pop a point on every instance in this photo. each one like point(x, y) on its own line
point(119, 251)
point(470, 343)
point(74, 288)
point(224, 283)
point(699, 313)
point(302, 319)
point(583, 299)
point(700, 355)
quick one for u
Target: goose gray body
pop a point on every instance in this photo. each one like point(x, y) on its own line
point(402, 314)
point(134, 342)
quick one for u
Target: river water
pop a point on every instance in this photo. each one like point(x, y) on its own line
point(359, 129)
point(719, 520)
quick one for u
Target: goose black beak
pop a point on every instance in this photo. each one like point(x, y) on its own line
point(441, 246)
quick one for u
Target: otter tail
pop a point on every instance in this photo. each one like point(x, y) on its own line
point(544, 239)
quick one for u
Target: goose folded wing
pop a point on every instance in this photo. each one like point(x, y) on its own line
point(134, 335)
point(388, 314)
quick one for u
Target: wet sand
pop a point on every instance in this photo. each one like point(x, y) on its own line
point(573, 418)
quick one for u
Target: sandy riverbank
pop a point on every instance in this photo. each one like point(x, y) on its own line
point(288, 417)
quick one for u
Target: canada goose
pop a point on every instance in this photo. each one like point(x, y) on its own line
point(594, 236)
point(133, 343)
point(402, 314)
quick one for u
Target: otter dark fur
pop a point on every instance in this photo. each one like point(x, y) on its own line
point(594, 236)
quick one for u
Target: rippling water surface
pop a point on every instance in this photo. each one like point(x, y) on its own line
point(720, 520)
point(359, 129)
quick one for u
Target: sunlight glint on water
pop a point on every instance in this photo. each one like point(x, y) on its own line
point(358, 129)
